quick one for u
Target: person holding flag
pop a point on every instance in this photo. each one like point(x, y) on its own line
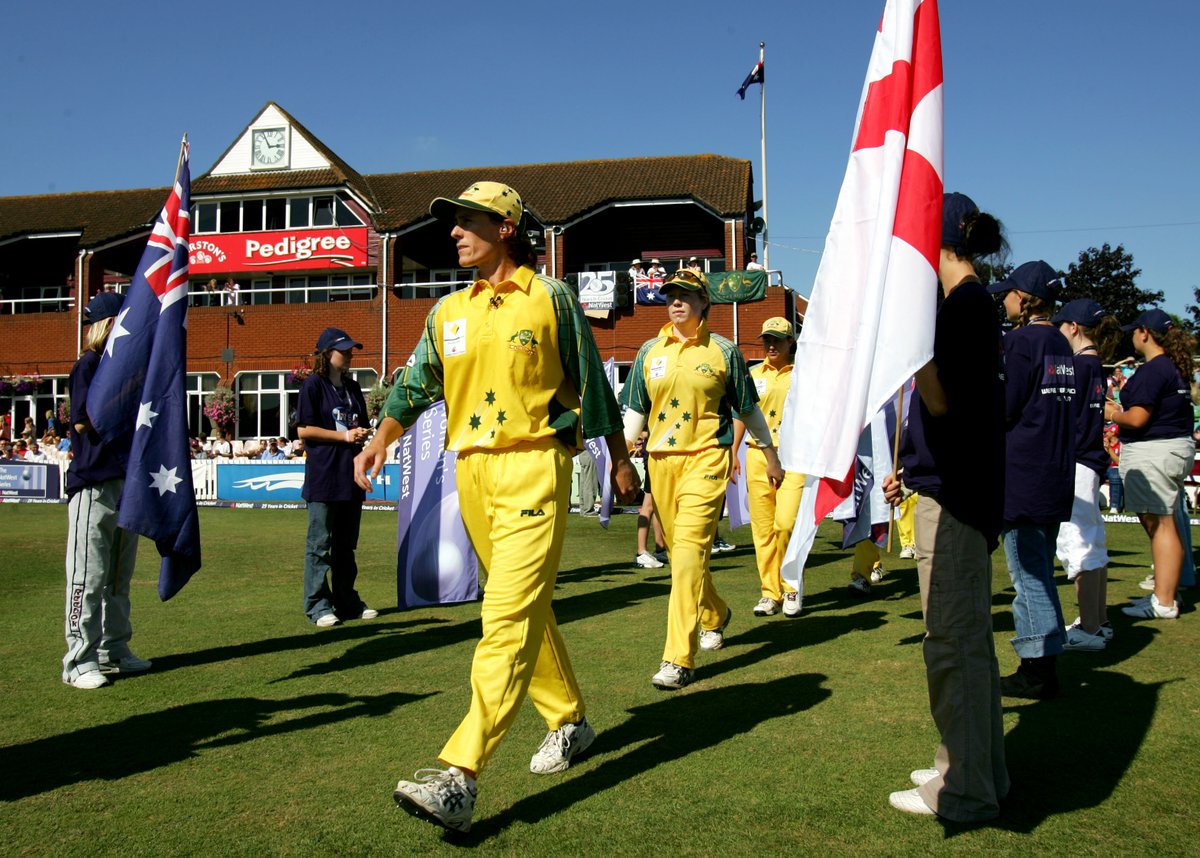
point(772, 379)
point(691, 383)
point(514, 358)
point(100, 552)
point(952, 453)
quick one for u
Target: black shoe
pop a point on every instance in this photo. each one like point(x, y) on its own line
point(1035, 679)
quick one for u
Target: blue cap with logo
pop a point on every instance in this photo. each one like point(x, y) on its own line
point(1152, 320)
point(336, 338)
point(955, 208)
point(1033, 278)
point(104, 305)
point(1081, 311)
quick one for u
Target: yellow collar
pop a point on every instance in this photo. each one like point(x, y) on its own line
point(701, 338)
point(521, 281)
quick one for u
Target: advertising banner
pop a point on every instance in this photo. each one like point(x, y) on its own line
point(736, 287)
point(435, 563)
point(287, 250)
point(29, 480)
point(598, 290)
point(283, 481)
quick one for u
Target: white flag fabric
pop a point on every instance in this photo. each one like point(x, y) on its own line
point(870, 319)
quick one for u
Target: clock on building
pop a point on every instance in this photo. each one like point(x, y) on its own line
point(269, 147)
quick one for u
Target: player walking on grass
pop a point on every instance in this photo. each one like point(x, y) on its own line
point(690, 383)
point(512, 356)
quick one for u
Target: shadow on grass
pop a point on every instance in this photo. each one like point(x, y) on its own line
point(1069, 754)
point(142, 743)
point(657, 734)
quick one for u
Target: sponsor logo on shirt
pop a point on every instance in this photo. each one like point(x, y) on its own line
point(523, 341)
point(1058, 378)
point(454, 337)
point(658, 367)
point(706, 370)
point(532, 513)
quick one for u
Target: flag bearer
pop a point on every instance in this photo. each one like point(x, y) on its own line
point(513, 357)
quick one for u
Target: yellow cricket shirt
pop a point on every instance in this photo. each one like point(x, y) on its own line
point(689, 390)
point(513, 361)
point(772, 386)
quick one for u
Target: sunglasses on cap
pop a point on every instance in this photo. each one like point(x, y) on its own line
point(686, 275)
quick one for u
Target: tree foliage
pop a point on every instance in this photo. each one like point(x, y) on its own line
point(1107, 276)
point(1193, 310)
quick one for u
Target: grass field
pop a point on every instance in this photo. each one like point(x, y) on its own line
point(258, 734)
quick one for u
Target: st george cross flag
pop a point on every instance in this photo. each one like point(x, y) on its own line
point(870, 320)
point(140, 386)
point(757, 75)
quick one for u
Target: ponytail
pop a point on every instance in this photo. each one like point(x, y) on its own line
point(1105, 335)
point(1178, 345)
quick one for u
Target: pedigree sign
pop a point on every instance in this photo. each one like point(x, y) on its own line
point(291, 250)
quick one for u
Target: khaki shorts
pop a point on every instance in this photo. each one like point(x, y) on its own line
point(1153, 473)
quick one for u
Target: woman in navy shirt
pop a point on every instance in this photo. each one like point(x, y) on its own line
point(1039, 477)
point(1155, 419)
point(1081, 541)
point(331, 418)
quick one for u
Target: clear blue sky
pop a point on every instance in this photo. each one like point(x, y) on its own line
point(1074, 121)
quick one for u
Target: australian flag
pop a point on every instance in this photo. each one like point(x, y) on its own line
point(756, 76)
point(140, 387)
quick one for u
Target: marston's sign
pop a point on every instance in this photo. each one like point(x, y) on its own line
point(343, 247)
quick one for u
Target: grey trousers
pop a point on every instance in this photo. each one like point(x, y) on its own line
point(955, 571)
point(100, 560)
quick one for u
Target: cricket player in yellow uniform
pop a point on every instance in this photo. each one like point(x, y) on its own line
point(513, 357)
point(772, 379)
point(688, 383)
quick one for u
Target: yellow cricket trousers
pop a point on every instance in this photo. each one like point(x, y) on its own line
point(906, 515)
point(515, 505)
point(689, 489)
point(866, 555)
point(769, 542)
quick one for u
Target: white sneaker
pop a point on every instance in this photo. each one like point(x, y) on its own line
point(791, 604)
point(859, 586)
point(671, 677)
point(766, 607)
point(714, 639)
point(720, 546)
point(908, 552)
point(439, 796)
point(1106, 628)
point(1152, 610)
point(327, 620)
point(129, 664)
point(876, 573)
point(560, 746)
point(1147, 583)
point(910, 801)
point(368, 613)
point(1080, 641)
point(647, 561)
point(920, 777)
point(90, 679)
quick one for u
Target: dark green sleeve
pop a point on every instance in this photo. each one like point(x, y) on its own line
point(420, 383)
point(634, 395)
point(739, 389)
point(599, 412)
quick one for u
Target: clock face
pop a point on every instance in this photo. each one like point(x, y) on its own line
point(269, 147)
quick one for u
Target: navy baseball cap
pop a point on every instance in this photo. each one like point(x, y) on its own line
point(1081, 311)
point(955, 208)
point(1153, 320)
point(1033, 278)
point(336, 338)
point(104, 305)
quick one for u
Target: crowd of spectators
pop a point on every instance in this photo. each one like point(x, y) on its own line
point(258, 449)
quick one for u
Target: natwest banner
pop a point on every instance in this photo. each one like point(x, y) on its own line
point(338, 247)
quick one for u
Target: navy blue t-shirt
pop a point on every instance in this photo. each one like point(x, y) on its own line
point(329, 465)
point(958, 458)
point(1088, 408)
point(1039, 386)
point(92, 460)
point(1157, 387)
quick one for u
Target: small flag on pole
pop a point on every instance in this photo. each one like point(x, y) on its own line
point(140, 387)
point(756, 76)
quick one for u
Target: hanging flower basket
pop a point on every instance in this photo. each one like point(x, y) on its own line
point(220, 406)
point(26, 384)
point(299, 372)
point(376, 397)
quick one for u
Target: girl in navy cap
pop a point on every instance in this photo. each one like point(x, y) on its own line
point(1081, 541)
point(1039, 475)
point(100, 555)
point(331, 418)
point(1155, 421)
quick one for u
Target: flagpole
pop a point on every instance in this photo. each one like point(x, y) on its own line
point(895, 460)
point(762, 114)
point(182, 146)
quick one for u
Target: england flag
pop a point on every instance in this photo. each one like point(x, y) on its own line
point(140, 387)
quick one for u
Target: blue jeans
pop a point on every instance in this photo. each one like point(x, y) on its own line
point(329, 555)
point(1183, 522)
point(1037, 614)
point(1116, 490)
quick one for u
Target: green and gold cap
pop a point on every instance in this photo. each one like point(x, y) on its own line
point(492, 197)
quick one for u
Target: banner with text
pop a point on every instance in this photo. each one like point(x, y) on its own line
point(291, 250)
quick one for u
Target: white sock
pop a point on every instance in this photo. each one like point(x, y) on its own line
point(470, 781)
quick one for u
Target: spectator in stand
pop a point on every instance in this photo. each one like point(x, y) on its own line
point(285, 447)
point(1039, 477)
point(100, 554)
point(1116, 491)
point(232, 296)
point(1157, 451)
point(772, 379)
point(331, 415)
point(29, 431)
point(212, 294)
point(636, 271)
point(22, 447)
point(694, 264)
point(691, 383)
point(5, 427)
point(252, 449)
point(953, 454)
point(656, 270)
point(273, 453)
point(35, 453)
point(647, 517)
point(754, 264)
point(198, 451)
point(1082, 546)
point(64, 445)
point(6, 452)
point(223, 448)
point(299, 451)
point(51, 421)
